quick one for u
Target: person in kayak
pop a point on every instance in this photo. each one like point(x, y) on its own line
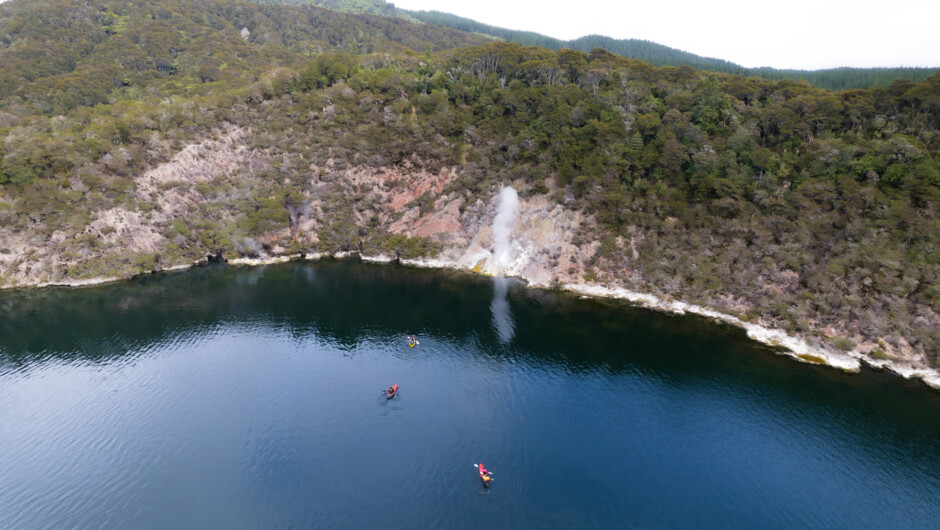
point(392, 390)
point(412, 341)
point(484, 475)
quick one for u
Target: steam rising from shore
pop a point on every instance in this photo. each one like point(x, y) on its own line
point(502, 226)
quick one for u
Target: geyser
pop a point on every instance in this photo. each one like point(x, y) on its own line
point(506, 215)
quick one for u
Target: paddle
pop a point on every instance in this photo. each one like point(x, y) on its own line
point(478, 466)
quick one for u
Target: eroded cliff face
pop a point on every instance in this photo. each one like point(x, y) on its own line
point(199, 181)
point(167, 193)
point(544, 248)
point(217, 182)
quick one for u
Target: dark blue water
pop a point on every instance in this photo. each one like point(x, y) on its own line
point(252, 398)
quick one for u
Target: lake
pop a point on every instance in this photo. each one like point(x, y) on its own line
point(234, 397)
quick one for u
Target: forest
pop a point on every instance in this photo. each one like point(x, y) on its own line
point(643, 50)
point(659, 55)
point(806, 208)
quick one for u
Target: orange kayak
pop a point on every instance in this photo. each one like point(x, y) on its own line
point(484, 476)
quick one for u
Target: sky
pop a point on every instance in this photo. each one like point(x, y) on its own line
point(804, 34)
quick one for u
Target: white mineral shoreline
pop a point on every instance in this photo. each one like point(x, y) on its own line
point(254, 262)
point(101, 280)
point(792, 346)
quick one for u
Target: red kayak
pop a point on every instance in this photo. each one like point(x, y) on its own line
point(484, 475)
point(390, 393)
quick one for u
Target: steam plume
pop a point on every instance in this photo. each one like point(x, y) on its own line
point(502, 227)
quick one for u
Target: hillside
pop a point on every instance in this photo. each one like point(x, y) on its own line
point(643, 50)
point(358, 7)
point(659, 55)
point(57, 56)
point(253, 131)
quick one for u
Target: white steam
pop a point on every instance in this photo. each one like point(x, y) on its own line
point(502, 227)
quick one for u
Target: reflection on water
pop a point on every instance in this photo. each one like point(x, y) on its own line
point(251, 276)
point(251, 398)
point(502, 315)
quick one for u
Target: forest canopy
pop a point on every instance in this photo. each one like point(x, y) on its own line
point(643, 50)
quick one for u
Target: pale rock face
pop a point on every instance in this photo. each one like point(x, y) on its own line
point(169, 187)
point(118, 224)
point(445, 220)
point(540, 249)
point(245, 33)
point(539, 244)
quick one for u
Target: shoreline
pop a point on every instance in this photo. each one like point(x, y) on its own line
point(783, 343)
